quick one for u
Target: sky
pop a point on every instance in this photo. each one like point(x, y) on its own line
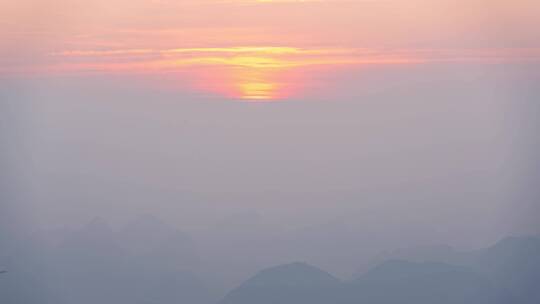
point(259, 50)
point(409, 122)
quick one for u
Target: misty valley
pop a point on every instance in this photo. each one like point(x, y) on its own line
point(149, 261)
point(269, 152)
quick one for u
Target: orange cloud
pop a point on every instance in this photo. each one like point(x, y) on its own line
point(263, 72)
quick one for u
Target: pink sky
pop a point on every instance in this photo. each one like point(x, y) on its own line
point(249, 48)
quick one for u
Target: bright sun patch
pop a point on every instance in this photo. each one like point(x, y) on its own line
point(260, 72)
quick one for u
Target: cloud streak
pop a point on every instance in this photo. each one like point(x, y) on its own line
point(279, 57)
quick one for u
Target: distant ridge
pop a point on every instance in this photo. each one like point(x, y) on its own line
point(293, 274)
point(290, 283)
point(505, 273)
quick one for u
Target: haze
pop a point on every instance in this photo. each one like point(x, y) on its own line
point(267, 132)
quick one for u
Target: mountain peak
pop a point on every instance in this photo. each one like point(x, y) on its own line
point(298, 273)
point(513, 242)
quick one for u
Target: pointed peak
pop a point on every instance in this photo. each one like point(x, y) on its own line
point(298, 273)
point(514, 244)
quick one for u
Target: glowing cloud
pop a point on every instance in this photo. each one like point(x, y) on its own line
point(253, 48)
point(248, 72)
point(261, 72)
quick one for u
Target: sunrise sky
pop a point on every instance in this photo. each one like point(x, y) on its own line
point(397, 122)
point(259, 50)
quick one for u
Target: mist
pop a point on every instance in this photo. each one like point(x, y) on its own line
point(435, 156)
point(269, 152)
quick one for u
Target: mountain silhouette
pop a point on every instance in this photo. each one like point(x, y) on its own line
point(393, 282)
point(411, 282)
point(514, 263)
point(290, 283)
point(154, 244)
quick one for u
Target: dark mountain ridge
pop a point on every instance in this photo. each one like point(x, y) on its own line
point(505, 273)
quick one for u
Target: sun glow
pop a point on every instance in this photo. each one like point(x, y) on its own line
point(260, 84)
point(259, 72)
point(257, 90)
point(248, 83)
point(258, 49)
